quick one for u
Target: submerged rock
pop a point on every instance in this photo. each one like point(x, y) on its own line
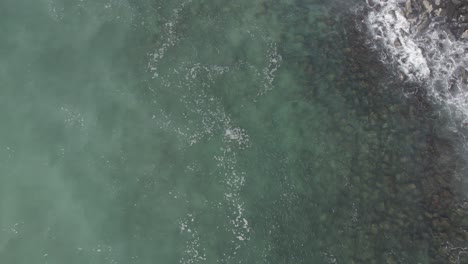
point(428, 35)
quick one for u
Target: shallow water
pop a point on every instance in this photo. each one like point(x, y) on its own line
point(204, 132)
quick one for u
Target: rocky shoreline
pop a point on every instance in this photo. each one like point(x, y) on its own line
point(453, 13)
point(421, 13)
point(404, 180)
point(422, 205)
point(427, 40)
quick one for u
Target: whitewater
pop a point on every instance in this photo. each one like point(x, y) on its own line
point(425, 51)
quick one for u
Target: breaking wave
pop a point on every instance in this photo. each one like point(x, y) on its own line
point(425, 51)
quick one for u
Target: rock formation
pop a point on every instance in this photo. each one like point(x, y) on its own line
point(452, 13)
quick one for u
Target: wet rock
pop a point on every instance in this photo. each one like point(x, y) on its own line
point(453, 12)
point(463, 258)
point(438, 12)
point(397, 43)
point(463, 18)
point(408, 7)
point(465, 34)
point(451, 8)
point(425, 21)
point(427, 5)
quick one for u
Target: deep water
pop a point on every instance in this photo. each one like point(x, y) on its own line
point(213, 132)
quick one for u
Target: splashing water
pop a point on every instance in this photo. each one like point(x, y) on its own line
point(425, 51)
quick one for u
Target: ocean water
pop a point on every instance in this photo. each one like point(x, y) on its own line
point(192, 131)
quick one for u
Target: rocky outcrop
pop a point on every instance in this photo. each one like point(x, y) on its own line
point(427, 41)
point(453, 14)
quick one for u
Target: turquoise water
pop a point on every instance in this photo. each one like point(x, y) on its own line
point(201, 132)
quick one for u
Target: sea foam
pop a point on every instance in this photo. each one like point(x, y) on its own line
point(425, 52)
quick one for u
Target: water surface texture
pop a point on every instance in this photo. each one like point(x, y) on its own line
point(191, 131)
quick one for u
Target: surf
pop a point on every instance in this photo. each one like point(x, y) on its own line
point(419, 40)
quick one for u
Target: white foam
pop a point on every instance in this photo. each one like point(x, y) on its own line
point(194, 252)
point(236, 134)
point(170, 39)
point(431, 56)
point(72, 117)
point(269, 71)
point(205, 118)
point(56, 11)
point(389, 26)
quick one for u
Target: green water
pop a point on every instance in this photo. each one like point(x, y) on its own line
point(194, 132)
